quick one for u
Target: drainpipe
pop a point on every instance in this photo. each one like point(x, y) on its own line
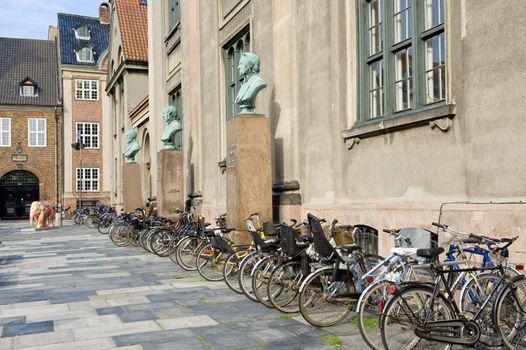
point(57, 107)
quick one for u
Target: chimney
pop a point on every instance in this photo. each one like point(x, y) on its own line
point(104, 13)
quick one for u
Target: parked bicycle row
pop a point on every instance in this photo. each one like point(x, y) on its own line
point(408, 300)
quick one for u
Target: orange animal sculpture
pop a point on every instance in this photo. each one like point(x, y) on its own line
point(43, 213)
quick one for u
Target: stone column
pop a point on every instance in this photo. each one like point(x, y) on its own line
point(131, 186)
point(248, 171)
point(170, 184)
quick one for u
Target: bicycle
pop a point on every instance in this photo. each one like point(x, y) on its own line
point(419, 314)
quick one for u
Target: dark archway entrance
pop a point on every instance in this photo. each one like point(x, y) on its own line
point(17, 190)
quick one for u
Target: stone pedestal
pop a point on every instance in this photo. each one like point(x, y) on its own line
point(131, 186)
point(170, 182)
point(248, 171)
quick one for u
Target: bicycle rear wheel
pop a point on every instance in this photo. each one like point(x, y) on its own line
point(324, 302)
point(261, 276)
point(510, 315)
point(186, 253)
point(245, 274)
point(408, 308)
point(231, 270)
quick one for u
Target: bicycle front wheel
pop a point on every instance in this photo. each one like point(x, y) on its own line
point(323, 301)
point(409, 308)
point(510, 314)
point(210, 262)
point(370, 308)
point(284, 285)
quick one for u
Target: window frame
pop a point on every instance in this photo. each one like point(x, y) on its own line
point(35, 90)
point(2, 131)
point(36, 132)
point(173, 10)
point(89, 90)
point(90, 50)
point(232, 52)
point(91, 136)
point(88, 32)
point(81, 181)
point(390, 48)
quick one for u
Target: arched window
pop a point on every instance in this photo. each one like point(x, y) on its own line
point(82, 32)
point(232, 52)
point(85, 55)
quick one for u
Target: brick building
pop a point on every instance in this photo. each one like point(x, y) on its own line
point(30, 125)
point(82, 45)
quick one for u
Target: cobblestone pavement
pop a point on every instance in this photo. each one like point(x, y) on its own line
point(71, 288)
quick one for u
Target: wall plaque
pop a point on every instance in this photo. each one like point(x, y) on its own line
point(19, 157)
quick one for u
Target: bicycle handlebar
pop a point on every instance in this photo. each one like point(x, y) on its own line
point(442, 226)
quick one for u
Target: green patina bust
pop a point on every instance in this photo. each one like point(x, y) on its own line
point(132, 146)
point(248, 69)
point(172, 129)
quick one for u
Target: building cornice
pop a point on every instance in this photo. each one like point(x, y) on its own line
point(28, 108)
point(127, 65)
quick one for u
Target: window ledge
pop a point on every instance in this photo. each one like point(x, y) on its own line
point(400, 121)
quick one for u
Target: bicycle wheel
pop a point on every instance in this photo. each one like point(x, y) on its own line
point(231, 270)
point(324, 302)
point(473, 295)
point(370, 308)
point(119, 235)
point(104, 225)
point(409, 308)
point(159, 242)
point(186, 253)
point(510, 315)
point(261, 276)
point(210, 262)
point(172, 249)
point(284, 285)
point(245, 273)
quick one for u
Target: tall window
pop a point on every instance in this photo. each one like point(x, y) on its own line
point(176, 101)
point(89, 134)
point(87, 179)
point(5, 132)
point(402, 54)
point(85, 55)
point(86, 89)
point(36, 132)
point(232, 53)
point(82, 32)
point(173, 14)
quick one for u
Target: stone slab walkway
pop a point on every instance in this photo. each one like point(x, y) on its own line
point(71, 288)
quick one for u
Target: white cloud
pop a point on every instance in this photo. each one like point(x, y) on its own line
point(31, 18)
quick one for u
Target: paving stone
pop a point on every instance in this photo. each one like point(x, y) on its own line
point(14, 329)
point(187, 322)
point(117, 329)
point(9, 320)
point(170, 336)
point(134, 316)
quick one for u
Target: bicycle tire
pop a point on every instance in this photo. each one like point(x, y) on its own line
point(398, 318)
point(210, 262)
point(260, 278)
point(369, 313)
point(187, 252)
point(324, 302)
point(231, 271)
point(284, 285)
point(160, 239)
point(510, 314)
point(245, 274)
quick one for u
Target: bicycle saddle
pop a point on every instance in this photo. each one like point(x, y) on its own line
point(430, 253)
point(348, 249)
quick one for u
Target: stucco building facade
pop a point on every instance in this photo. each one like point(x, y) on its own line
point(380, 115)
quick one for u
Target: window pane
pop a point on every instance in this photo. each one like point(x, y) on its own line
point(376, 94)
point(375, 27)
point(403, 25)
point(434, 13)
point(435, 68)
point(404, 79)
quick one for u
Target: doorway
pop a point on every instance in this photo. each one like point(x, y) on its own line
point(18, 189)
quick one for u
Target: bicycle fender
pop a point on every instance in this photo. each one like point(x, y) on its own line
point(312, 273)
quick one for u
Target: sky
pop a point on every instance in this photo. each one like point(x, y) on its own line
point(31, 18)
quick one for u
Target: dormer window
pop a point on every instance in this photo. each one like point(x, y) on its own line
point(82, 33)
point(28, 88)
point(85, 55)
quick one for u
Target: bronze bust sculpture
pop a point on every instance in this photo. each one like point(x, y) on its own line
point(252, 83)
point(174, 127)
point(132, 146)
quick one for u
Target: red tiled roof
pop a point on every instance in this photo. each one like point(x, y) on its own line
point(133, 22)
